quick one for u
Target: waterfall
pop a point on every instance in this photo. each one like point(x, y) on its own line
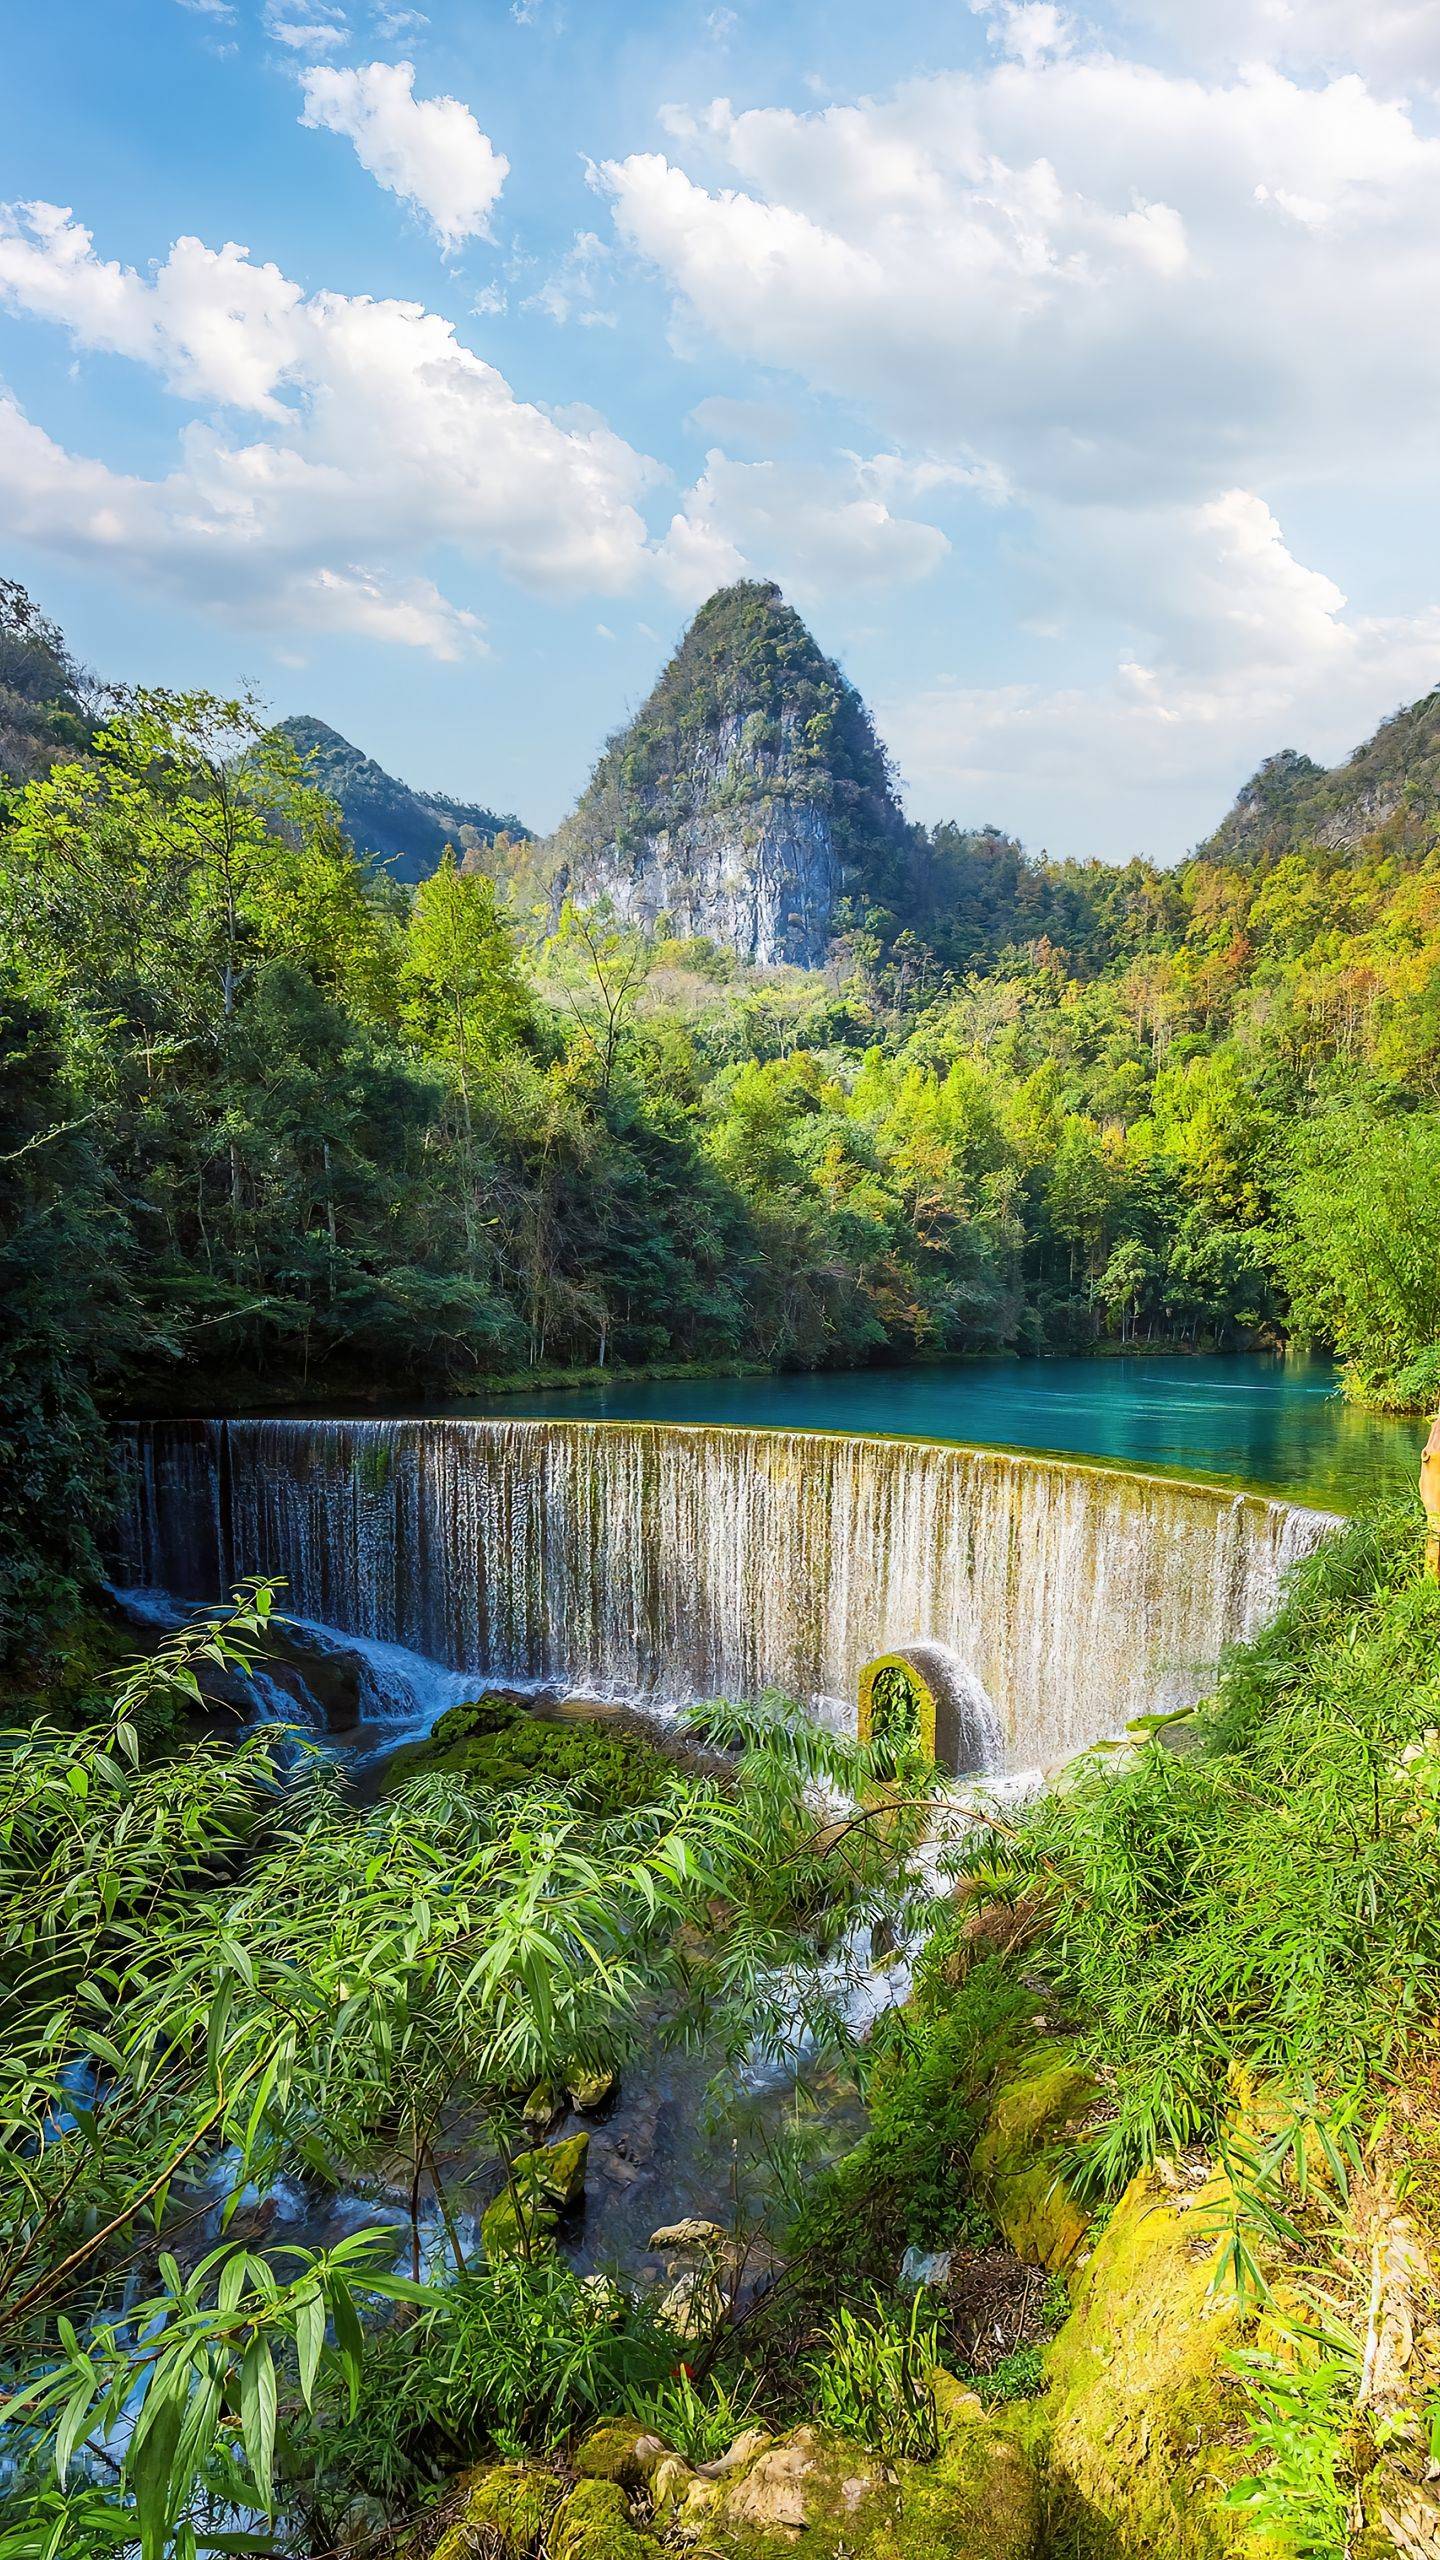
point(678, 1561)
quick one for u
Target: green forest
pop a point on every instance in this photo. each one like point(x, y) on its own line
point(1158, 2090)
point(278, 1125)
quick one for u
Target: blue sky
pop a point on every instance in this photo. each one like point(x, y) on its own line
point(1075, 374)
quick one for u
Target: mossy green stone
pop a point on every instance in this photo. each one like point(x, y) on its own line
point(619, 2449)
point(558, 2170)
point(1146, 2423)
point(503, 2234)
point(594, 2524)
point(505, 2510)
point(1014, 2166)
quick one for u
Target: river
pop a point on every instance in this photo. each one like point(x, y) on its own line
point(1254, 1419)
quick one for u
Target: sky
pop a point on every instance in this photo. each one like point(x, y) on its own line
point(1075, 373)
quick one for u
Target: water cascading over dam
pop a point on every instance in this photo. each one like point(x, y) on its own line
point(676, 1561)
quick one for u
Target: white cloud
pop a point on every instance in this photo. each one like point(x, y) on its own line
point(430, 151)
point(1394, 43)
point(822, 534)
point(1105, 296)
point(1031, 31)
point(306, 26)
point(571, 291)
point(390, 23)
point(212, 324)
point(374, 436)
point(1069, 272)
point(156, 532)
point(1255, 652)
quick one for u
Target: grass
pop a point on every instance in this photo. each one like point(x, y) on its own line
point(1267, 1898)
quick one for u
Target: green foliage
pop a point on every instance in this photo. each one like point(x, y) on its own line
point(904, 2184)
point(511, 2359)
point(1265, 1898)
point(1301, 2417)
point(872, 2380)
point(1363, 1259)
point(198, 1964)
point(407, 830)
point(1018, 2376)
point(67, 1312)
point(699, 2421)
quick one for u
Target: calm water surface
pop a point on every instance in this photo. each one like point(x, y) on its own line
point(1255, 1420)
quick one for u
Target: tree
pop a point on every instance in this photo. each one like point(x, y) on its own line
point(1361, 1251)
point(600, 966)
point(464, 996)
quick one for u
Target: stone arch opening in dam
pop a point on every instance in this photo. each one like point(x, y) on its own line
point(680, 1561)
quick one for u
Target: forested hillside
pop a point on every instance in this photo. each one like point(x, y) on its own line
point(406, 830)
point(749, 799)
point(277, 1126)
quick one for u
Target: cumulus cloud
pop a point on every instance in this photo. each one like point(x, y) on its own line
point(1247, 649)
point(822, 534)
point(430, 151)
point(1395, 44)
point(1089, 274)
point(370, 436)
point(1135, 305)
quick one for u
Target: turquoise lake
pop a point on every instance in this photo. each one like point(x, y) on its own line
point(1279, 1425)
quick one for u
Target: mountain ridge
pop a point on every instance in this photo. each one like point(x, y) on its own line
point(748, 800)
point(405, 829)
point(1392, 779)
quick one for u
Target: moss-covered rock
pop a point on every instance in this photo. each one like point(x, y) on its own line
point(620, 2449)
point(558, 2171)
point(1146, 2430)
point(982, 2500)
point(818, 2495)
point(1014, 2166)
point(499, 1744)
point(523, 2231)
point(594, 2523)
point(543, 2185)
point(591, 2090)
point(502, 2509)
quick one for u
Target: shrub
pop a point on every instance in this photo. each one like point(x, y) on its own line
point(873, 2380)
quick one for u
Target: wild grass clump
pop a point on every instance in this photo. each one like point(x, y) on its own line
point(511, 2360)
point(871, 2379)
point(1268, 1897)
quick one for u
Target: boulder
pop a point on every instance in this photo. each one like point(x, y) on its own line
point(1146, 2426)
point(594, 2524)
point(1014, 2168)
point(693, 2233)
point(505, 2234)
point(671, 2484)
point(817, 2495)
point(620, 2449)
point(540, 2109)
point(501, 2510)
point(694, 2305)
point(558, 2172)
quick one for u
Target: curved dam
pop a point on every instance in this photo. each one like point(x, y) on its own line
point(672, 1562)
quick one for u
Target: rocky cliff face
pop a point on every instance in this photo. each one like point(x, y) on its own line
point(747, 800)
